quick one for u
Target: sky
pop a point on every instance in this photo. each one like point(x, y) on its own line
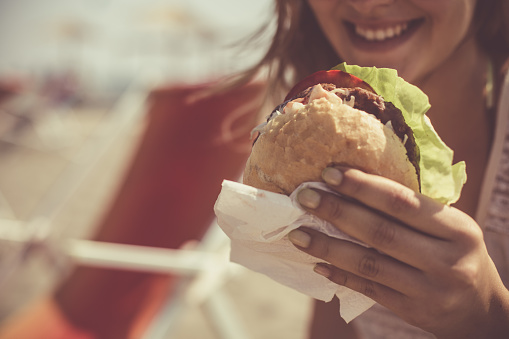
point(104, 40)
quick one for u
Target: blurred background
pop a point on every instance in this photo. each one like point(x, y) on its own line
point(74, 79)
point(103, 44)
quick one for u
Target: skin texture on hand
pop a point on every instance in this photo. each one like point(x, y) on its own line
point(427, 262)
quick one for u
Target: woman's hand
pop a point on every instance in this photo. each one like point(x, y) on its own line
point(427, 263)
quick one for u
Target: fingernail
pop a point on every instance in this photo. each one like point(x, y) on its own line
point(322, 270)
point(332, 176)
point(309, 198)
point(299, 238)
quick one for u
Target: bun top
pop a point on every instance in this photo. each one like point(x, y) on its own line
point(296, 146)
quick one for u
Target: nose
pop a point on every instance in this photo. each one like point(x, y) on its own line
point(367, 6)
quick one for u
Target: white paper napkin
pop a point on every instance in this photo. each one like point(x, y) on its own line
point(257, 222)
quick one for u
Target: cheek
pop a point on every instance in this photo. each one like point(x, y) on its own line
point(327, 14)
point(322, 3)
point(448, 27)
point(324, 9)
point(451, 26)
point(451, 14)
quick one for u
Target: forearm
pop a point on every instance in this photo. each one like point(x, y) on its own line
point(496, 325)
point(500, 315)
point(493, 323)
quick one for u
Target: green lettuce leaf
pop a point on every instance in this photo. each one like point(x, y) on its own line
point(440, 179)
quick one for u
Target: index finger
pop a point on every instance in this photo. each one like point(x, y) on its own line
point(400, 202)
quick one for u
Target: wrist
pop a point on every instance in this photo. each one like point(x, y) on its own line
point(493, 323)
point(499, 315)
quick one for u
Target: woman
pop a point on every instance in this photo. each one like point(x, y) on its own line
point(436, 277)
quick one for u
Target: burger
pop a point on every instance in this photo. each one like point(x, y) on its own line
point(365, 118)
point(341, 121)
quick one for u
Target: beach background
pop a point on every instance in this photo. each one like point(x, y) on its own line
point(61, 162)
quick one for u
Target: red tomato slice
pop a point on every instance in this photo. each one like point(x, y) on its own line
point(336, 77)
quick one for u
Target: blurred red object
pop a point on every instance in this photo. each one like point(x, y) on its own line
point(42, 320)
point(192, 142)
point(10, 86)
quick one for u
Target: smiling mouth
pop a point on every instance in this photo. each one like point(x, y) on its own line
point(373, 34)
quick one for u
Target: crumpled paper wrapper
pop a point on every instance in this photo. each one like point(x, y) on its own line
point(258, 221)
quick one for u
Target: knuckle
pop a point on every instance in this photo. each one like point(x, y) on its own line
point(340, 277)
point(470, 234)
point(368, 289)
point(383, 233)
point(334, 210)
point(448, 303)
point(322, 249)
point(467, 274)
point(402, 201)
point(352, 184)
point(460, 271)
point(462, 264)
point(369, 266)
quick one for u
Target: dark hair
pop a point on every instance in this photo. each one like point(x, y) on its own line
point(491, 26)
point(300, 48)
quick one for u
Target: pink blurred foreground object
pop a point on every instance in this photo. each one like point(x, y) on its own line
point(42, 320)
point(194, 139)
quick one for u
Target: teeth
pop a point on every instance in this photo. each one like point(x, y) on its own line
point(381, 34)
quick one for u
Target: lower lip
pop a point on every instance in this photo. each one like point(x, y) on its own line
point(385, 45)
